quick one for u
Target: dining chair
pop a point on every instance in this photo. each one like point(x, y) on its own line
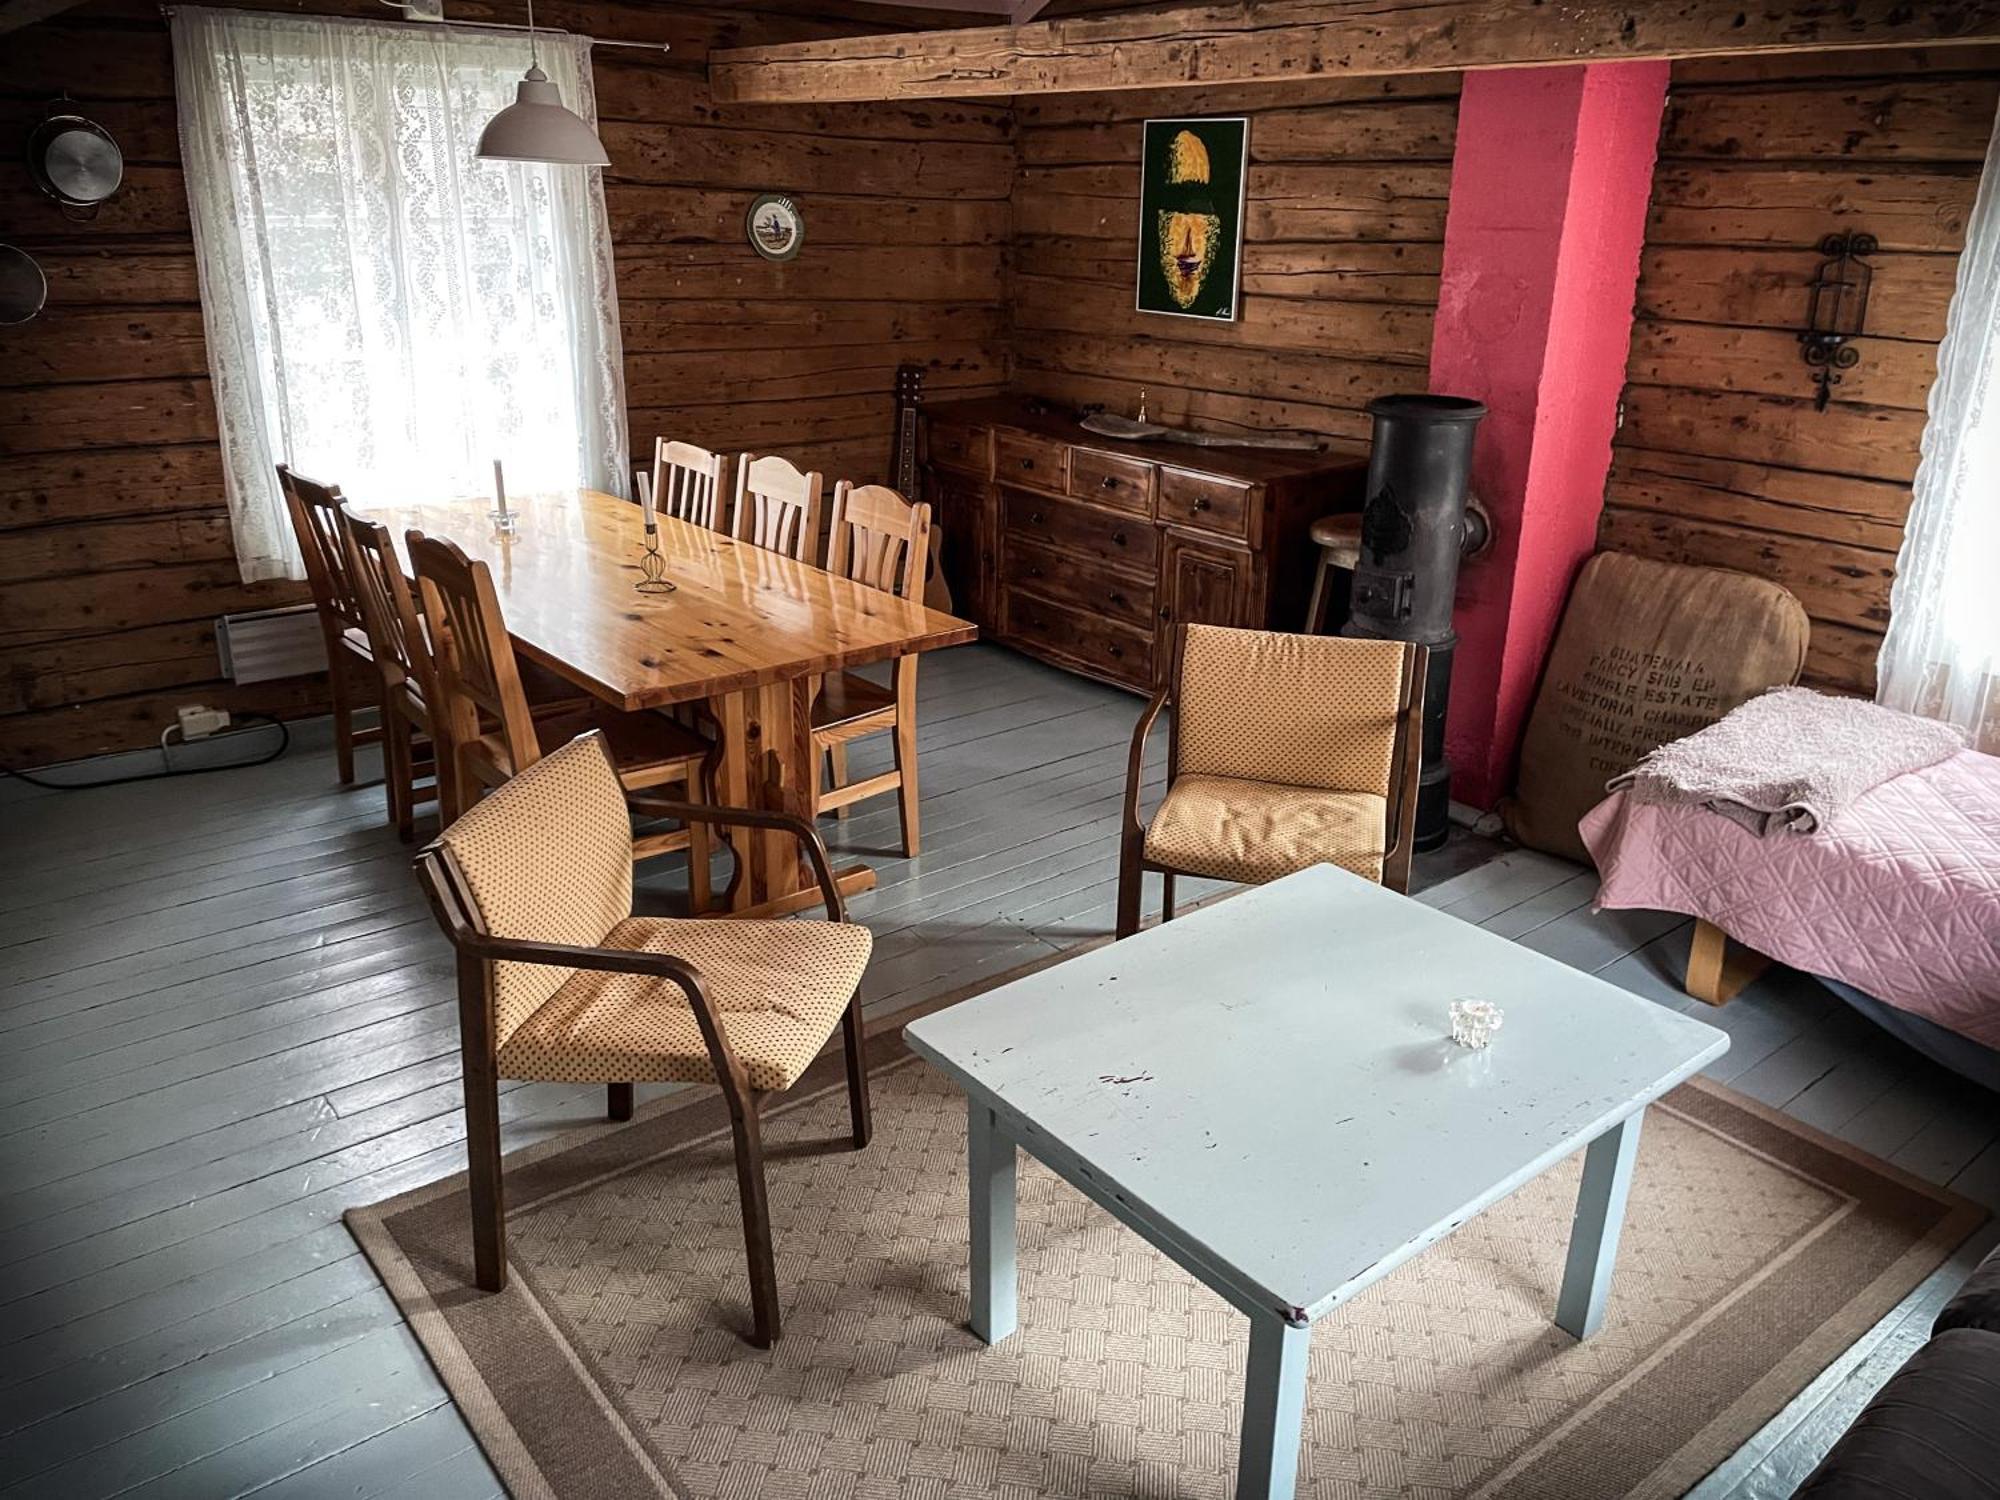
point(1285, 751)
point(559, 982)
point(314, 509)
point(777, 506)
point(881, 540)
point(409, 676)
point(689, 483)
point(492, 731)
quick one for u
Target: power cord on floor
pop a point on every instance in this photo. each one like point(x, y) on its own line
point(167, 766)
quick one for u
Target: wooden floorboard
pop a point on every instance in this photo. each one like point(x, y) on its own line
point(225, 1018)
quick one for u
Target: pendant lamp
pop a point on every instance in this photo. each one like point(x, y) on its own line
point(536, 126)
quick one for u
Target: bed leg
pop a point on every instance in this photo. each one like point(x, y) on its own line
point(1715, 974)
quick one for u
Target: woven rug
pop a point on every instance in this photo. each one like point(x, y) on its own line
point(612, 1367)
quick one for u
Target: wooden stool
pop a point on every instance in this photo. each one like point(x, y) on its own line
point(1339, 542)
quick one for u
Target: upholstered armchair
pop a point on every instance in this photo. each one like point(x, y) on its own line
point(558, 981)
point(1284, 751)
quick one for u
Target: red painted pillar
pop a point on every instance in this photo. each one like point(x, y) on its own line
point(1550, 179)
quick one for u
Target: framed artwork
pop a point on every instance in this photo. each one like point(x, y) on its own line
point(1191, 177)
point(775, 227)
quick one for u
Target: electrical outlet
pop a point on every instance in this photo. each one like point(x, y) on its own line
point(199, 722)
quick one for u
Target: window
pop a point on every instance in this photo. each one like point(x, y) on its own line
point(384, 310)
point(1941, 657)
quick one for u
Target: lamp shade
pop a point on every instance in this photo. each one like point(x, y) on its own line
point(536, 127)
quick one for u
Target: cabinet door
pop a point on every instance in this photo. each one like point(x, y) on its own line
point(1203, 582)
point(965, 512)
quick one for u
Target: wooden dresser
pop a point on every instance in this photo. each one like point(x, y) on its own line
point(1082, 550)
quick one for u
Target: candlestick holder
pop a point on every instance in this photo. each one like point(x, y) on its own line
point(505, 521)
point(653, 569)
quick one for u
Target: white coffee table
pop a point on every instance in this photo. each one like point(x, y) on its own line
point(1267, 1091)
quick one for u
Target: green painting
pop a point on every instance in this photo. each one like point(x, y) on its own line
point(1191, 216)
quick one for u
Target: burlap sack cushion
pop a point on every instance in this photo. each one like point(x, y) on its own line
point(1647, 652)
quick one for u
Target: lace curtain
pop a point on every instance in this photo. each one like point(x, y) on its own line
point(384, 310)
point(1941, 657)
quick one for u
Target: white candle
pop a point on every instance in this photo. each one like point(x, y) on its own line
point(646, 505)
point(499, 488)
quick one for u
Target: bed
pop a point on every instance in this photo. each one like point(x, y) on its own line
point(1898, 897)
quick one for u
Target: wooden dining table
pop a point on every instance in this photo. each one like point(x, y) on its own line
point(745, 630)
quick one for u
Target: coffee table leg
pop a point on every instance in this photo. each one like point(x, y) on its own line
point(1274, 1404)
point(1593, 1235)
point(991, 1156)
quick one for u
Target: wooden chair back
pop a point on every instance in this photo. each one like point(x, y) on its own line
point(689, 483)
point(777, 506)
point(388, 608)
point(878, 538)
point(479, 682)
point(315, 511)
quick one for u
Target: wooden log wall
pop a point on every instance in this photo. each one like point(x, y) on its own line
point(1343, 234)
point(116, 556)
point(1722, 459)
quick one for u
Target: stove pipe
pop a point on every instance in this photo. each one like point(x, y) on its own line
point(1413, 533)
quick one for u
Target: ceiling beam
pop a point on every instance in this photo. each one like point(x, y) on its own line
point(1285, 40)
point(15, 14)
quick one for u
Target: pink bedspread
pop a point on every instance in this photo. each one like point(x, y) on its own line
point(1898, 896)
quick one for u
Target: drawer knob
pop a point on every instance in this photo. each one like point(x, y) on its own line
point(1035, 517)
point(1034, 572)
point(1201, 502)
point(1118, 537)
point(1109, 481)
point(1166, 612)
point(1116, 650)
point(1115, 597)
point(1027, 463)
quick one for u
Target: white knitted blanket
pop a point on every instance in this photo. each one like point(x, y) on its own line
point(1789, 760)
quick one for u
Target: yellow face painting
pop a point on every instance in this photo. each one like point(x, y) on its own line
point(1190, 266)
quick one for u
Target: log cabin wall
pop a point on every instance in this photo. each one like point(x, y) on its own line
point(1343, 234)
point(115, 553)
point(1722, 459)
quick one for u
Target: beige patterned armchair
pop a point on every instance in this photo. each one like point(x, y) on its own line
point(558, 980)
point(1285, 751)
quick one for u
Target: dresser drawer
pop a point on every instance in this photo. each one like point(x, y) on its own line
point(1023, 458)
point(1123, 541)
point(1084, 638)
point(1055, 575)
point(1108, 479)
point(1202, 501)
point(957, 447)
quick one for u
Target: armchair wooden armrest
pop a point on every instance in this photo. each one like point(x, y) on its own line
point(1135, 767)
point(744, 817)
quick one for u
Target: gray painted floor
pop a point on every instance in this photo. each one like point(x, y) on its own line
point(227, 1018)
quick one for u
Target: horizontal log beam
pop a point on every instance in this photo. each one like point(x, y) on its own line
point(1264, 41)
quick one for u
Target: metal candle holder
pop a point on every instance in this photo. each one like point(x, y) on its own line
point(653, 567)
point(505, 521)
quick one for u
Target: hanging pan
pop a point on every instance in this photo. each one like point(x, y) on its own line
point(75, 161)
point(23, 287)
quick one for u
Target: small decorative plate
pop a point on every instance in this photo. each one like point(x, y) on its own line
point(775, 227)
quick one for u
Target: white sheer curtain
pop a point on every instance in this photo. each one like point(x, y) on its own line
point(1941, 657)
point(384, 310)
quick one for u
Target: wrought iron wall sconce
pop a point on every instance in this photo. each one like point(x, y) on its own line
point(1836, 311)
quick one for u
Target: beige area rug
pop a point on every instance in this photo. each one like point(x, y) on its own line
point(612, 1368)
